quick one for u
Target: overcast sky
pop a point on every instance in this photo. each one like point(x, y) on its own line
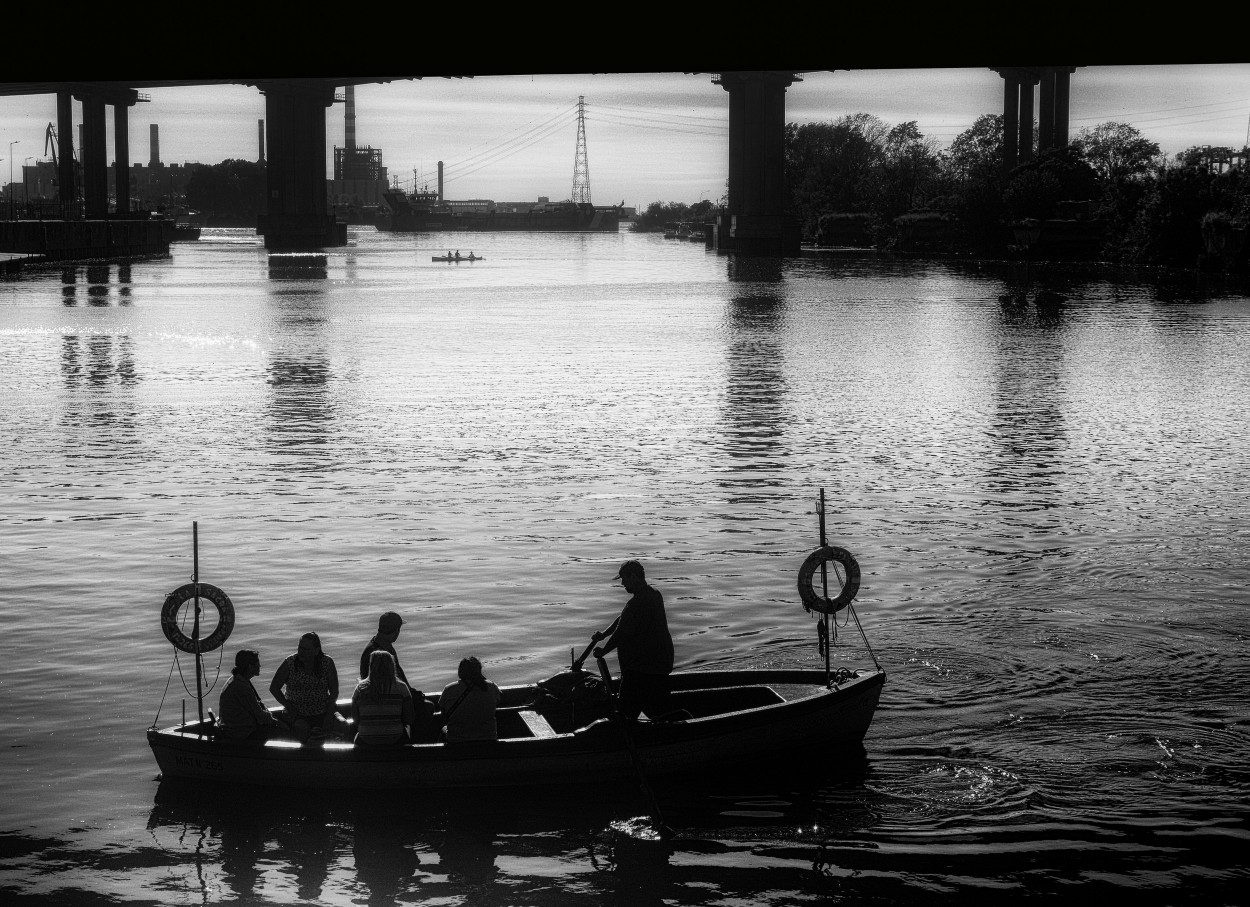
point(650, 137)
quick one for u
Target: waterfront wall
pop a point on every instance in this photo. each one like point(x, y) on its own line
point(86, 239)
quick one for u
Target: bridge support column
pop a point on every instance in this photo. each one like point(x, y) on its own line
point(1052, 110)
point(66, 178)
point(1063, 88)
point(95, 186)
point(1011, 119)
point(121, 159)
point(1027, 80)
point(754, 219)
point(295, 168)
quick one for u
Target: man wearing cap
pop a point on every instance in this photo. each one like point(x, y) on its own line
point(644, 646)
point(423, 728)
point(388, 631)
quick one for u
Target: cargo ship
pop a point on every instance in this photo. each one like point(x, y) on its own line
point(425, 212)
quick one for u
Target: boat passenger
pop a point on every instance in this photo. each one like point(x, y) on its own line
point(382, 704)
point(311, 685)
point(469, 705)
point(645, 646)
point(457, 255)
point(389, 625)
point(243, 714)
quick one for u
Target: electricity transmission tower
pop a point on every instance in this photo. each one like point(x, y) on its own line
point(581, 171)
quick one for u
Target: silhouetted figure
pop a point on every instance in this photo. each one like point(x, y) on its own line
point(645, 646)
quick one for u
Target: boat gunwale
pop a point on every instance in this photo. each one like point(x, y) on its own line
point(591, 738)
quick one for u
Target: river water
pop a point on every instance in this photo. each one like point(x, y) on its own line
point(1043, 475)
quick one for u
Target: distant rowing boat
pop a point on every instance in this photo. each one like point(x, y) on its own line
point(457, 258)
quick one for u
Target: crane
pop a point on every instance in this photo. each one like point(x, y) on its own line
point(49, 142)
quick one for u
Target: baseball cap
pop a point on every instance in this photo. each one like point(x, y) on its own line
point(629, 568)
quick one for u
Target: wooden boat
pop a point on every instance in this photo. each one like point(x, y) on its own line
point(454, 258)
point(562, 730)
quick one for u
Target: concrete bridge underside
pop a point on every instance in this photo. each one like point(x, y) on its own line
point(754, 220)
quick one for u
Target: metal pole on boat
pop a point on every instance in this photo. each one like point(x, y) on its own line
point(824, 581)
point(195, 627)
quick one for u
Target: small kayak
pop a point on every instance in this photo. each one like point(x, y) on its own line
point(453, 258)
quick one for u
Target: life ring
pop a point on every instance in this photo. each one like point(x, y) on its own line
point(822, 555)
point(180, 596)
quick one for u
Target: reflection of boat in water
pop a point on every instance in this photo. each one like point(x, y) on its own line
point(424, 212)
point(469, 257)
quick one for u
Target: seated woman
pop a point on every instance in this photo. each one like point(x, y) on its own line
point(311, 685)
point(469, 704)
point(243, 714)
point(382, 704)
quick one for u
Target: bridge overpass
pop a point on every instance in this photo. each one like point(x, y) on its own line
point(298, 216)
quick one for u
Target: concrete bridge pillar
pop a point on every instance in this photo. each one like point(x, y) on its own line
point(121, 158)
point(95, 184)
point(66, 177)
point(1028, 79)
point(295, 168)
point(95, 187)
point(754, 219)
point(1011, 119)
point(1018, 110)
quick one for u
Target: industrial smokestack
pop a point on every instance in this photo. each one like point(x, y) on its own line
point(260, 130)
point(349, 121)
point(440, 181)
point(155, 132)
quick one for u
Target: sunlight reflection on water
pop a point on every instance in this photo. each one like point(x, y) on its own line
point(1046, 498)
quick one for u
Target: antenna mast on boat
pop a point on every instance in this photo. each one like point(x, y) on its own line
point(581, 170)
point(824, 581)
point(195, 627)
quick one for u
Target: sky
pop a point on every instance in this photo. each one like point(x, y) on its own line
point(649, 136)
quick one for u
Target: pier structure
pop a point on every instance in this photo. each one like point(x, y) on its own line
point(1052, 86)
point(754, 218)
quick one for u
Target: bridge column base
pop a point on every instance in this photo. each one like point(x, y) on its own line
point(301, 231)
point(765, 234)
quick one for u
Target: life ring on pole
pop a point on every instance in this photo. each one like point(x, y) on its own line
point(823, 555)
point(173, 605)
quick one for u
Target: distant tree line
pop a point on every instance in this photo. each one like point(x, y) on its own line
point(1108, 195)
point(229, 194)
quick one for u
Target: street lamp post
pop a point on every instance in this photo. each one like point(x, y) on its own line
point(11, 144)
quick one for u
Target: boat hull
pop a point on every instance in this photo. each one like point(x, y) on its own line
point(814, 718)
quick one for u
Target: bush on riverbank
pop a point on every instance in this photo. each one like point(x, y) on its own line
point(1109, 195)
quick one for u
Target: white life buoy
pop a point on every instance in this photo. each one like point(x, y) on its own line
point(823, 555)
point(173, 605)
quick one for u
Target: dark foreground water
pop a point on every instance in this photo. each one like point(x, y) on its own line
point(1044, 482)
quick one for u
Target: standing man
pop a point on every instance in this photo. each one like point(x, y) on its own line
point(645, 647)
point(388, 631)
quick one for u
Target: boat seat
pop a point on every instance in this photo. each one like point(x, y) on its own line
point(536, 723)
point(718, 701)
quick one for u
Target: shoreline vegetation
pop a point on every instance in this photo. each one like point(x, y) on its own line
point(1108, 197)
